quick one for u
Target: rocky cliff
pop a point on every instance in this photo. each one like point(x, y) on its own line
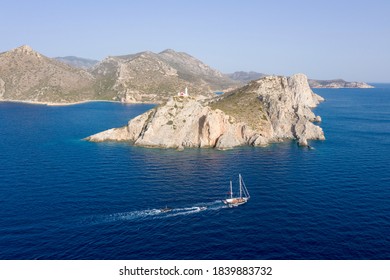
point(270, 109)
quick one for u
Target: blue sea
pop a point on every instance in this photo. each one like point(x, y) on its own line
point(64, 198)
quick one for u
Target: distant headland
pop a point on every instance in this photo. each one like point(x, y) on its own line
point(336, 83)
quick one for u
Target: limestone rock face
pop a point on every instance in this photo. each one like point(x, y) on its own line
point(288, 103)
point(181, 122)
point(2, 88)
point(267, 110)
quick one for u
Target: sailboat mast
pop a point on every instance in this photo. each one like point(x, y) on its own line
point(240, 185)
point(231, 189)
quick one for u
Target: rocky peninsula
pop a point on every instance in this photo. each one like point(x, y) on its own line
point(271, 109)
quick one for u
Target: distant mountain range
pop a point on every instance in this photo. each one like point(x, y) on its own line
point(78, 62)
point(246, 77)
point(26, 75)
point(152, 77)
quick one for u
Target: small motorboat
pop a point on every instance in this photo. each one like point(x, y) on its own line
point(166, 209)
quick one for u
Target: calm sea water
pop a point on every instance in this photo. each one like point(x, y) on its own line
point(65, 198)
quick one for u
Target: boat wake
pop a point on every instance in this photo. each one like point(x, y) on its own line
point(139, 215)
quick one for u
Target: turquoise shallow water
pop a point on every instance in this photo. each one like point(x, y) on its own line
point(64, 198)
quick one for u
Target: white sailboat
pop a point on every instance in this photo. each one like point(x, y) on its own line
point(238, 200)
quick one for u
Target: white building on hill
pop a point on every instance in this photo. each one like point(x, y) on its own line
point(185, 93)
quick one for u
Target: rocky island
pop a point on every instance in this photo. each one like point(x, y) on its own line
point(267, 110)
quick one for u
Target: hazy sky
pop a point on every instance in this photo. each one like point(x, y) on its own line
point(323, 39)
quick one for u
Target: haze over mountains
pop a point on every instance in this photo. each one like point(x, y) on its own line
point(243, 77)
point(78, 62)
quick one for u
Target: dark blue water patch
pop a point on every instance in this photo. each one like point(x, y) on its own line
point(64, 198)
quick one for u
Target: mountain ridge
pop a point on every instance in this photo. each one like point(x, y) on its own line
point(26, 75)
point(140, 76)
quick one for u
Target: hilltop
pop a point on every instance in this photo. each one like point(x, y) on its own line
point(26, 75)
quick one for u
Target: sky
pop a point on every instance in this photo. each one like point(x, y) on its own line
point(323, 39)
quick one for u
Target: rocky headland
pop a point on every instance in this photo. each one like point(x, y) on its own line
point(267, 110)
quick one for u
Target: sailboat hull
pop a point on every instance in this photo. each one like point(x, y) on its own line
point(233, 202)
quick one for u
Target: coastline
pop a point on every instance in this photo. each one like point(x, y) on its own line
point(69, 103)
point(343, 87)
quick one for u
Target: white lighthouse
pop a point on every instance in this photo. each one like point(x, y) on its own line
point(185, 93)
